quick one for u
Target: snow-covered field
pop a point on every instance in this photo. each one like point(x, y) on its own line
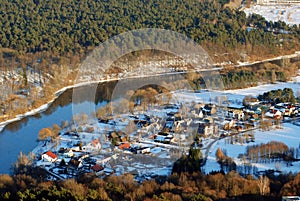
point(287, 13)
point(235, 97)
point(254, 91)
point(289, 135)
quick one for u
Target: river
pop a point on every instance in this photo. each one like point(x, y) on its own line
point(22, 135)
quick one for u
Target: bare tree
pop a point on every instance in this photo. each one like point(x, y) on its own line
point(263, 183)
point(45, 133)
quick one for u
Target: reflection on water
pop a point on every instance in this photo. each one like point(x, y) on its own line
point(22, 135)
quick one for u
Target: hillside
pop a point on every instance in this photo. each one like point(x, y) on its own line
point(43, 42)
point(75, 27)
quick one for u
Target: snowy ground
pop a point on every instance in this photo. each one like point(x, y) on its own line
point(254, 91)
point(235, 97)
point(287, 13)
point(289, 135)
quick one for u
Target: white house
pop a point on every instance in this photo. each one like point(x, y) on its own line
point(49, 156)
point(143, 150)
point(93, 146)
point(68, 153)
point(273, 114)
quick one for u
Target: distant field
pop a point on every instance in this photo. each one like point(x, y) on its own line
point(289, 14)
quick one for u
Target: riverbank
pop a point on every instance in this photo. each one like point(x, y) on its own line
point(46, 105)
point(60, 91)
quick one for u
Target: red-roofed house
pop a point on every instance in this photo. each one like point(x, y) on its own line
point(49, 156)
point(124, 146)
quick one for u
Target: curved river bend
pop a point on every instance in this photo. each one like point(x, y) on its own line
point(22, 135)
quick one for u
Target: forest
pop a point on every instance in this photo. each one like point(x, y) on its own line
point(51, 38)
point(76, 27)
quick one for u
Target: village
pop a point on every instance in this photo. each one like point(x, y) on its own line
point(147, 143)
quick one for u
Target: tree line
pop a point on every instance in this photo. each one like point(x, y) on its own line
point(278, 96)
point(178, 187)
point(271, 151)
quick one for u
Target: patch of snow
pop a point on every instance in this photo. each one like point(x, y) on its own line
point(286, 13)
point(255, 91)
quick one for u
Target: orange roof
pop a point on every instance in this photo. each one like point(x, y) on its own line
point(124, 146)
point(51, 154)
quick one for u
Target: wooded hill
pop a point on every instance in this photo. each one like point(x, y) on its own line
point(51, 37)
point(74, 27)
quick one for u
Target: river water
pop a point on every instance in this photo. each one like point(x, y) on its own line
point(22, 135)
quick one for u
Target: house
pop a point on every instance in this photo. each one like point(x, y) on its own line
point(143, 150)
point(289, 110)
point(49, 156)
point(66, 152)
point(236, 114)
point(180, 125)
point(207, 127)
point(209, 109)
point(74, 164)
point(114, 135)
point(97, 168)
point(229, 125)
point(165, 138)
point(93, 146)
point(159, 138)
point(124, 146)
point(124, 138)
point(106, 160)
point(273, 113)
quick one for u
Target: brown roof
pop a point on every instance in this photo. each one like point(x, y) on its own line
point(97, 167)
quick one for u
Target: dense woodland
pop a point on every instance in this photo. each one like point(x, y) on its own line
point(50, 38)
point(63, 27)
